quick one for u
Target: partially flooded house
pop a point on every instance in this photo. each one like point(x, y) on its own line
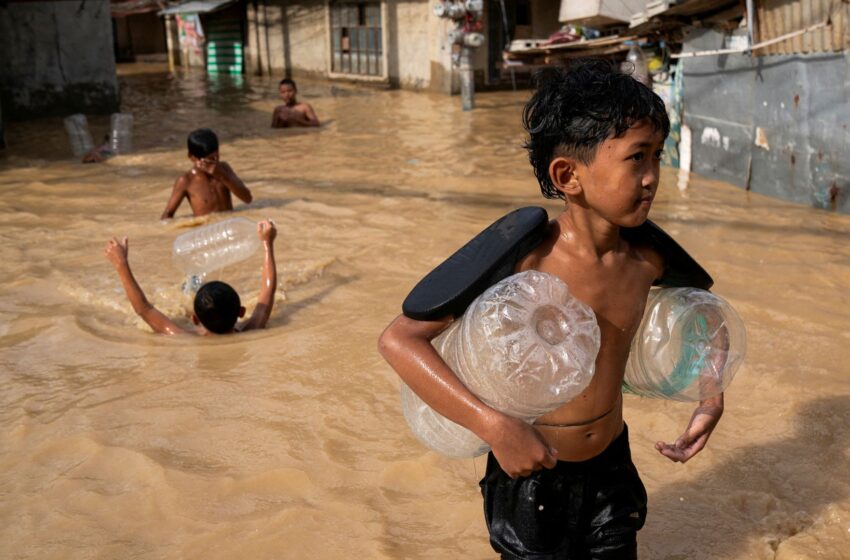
point(757, 88)
point(393, 42)
point(765, 96)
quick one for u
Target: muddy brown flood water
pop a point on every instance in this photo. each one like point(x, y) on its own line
point(290, 442)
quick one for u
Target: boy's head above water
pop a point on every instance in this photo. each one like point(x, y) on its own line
point(202, 143)
point(217, 307)
point(287, 90)
point(575, 110)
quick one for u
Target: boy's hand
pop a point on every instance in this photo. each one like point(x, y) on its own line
point(116, 251)
point(208, 166)
point(520, 449)
point(702, 423)
point(266, 231)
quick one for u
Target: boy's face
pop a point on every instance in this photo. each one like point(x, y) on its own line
point(287, 93)
point(620, 182)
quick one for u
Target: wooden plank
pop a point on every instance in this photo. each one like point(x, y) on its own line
point(787, 17)
point(796, 23)
point(770, 28)
point(773, 15)
point(764, 27)
point(837, 11)
point(808, 44)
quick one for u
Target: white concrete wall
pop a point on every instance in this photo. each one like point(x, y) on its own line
point(56, 58)
point(414, 65)
point(293, 38)
point(287, 37)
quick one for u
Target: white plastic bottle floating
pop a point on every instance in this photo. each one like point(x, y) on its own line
point(524, 347)
point(215, 246)
point(77, 127)
point(688, 347)
point(122, 133)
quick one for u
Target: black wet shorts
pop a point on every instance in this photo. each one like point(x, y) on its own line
point(587, 510)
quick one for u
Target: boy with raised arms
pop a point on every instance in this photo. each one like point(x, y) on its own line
point(209, 183)
point(565, 487)
point(217, 307)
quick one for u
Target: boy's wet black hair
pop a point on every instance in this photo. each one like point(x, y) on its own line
point(288, 82)
point(202, 142)
point(575, 109)
point(217, 307)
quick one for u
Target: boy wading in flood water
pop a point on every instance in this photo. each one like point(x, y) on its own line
point(565, 487)
point(210, 182)
point(292, 112)
point(217, 307)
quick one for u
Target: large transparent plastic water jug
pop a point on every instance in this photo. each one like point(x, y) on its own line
point(688, 347)
point(122, 133)
point(215, 246)
point(77, 127)
point(635, 65)
point(524, 347)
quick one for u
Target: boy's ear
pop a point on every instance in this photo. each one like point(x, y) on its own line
point(562, 172)
point(195, 319)
point(241, 311)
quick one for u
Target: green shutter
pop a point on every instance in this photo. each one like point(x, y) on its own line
point(224, 46)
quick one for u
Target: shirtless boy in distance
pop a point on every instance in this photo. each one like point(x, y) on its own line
point(210, 182)
point(292, 113)
point(565, 487)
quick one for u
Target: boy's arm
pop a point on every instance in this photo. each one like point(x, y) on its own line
point(310, 118)
point(177, 195)
point(276, 118)
point(267, 233)
point(224, 173)
point(708, 413)
point(116, 252)
point(703, 421)
point(406, 345)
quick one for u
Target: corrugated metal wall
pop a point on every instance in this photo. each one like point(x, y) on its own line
point(778, 17)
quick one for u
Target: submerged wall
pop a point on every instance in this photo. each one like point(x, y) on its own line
point(56, 58)
point(776, 125)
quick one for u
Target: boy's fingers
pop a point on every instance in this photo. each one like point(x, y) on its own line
point(550, 460)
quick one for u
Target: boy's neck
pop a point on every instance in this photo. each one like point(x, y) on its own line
point(588, 233)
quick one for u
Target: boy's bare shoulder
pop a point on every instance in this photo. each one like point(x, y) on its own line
point(183, 178)
point(543, 251)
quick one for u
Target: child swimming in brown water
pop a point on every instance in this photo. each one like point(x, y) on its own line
point(566, 487)
point(217, 307)
point(209, 183)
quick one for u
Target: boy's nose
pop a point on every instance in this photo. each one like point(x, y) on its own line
point(651, 176)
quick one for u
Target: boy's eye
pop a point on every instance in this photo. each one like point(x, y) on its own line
point(659, 154)
point(637, 157)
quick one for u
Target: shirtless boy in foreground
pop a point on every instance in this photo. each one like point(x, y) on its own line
point(566, 487)
point(209, 183)
point(292, 113)
point(217, 306)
